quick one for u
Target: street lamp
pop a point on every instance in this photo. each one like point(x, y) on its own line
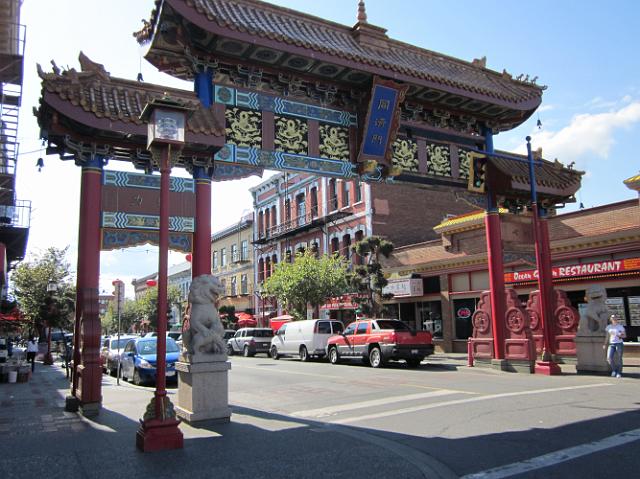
point(167, 119)
point(52, 287)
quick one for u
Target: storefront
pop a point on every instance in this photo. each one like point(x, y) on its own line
point(593, 246)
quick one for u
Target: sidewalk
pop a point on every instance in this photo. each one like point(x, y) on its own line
point(40, 439)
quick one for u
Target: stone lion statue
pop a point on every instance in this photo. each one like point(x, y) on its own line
point(594, 320)
point(202, 330)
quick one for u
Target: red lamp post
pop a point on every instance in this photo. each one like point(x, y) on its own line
point(166, 128)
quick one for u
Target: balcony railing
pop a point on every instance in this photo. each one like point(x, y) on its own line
point(12, 37)
point(17, 216)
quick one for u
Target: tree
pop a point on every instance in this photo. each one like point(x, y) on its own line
point(30, 280)
point(368, 280)
point(147, 306)
point(308, 280)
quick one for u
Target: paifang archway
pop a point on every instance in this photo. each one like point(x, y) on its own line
point(283, 90)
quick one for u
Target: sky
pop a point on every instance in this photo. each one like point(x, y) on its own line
point(584, 51)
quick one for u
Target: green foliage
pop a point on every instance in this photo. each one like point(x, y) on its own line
point(368, 280)
point(230, 311)
point(147, 306)
point(30, 280)
point(308, 280)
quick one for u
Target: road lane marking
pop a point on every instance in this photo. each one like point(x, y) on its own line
point(462, 401)
point(556, 457)
point(328, 411)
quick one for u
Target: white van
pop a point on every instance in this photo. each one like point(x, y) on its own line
point(304, 338)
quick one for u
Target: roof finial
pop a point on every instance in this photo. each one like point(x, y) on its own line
point(362, 13)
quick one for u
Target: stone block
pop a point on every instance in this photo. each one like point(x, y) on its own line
point(203, 390)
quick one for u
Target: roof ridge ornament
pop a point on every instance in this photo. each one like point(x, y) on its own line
point(362, 12)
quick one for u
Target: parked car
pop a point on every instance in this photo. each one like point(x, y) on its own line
point(140, 356)
point(250, 341)
point(305, 339)
point(228, 334)
point(376, 341)
point(109, 352)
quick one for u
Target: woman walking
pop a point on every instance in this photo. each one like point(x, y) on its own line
point(615, 335)
point(32, 350)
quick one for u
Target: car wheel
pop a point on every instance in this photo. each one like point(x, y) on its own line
point(304, 354)
point(137, 380)
point(375, 357)
point(274, 353)
point(414, 362)
point(229, 350)
point(334, 358)
point(245, 351)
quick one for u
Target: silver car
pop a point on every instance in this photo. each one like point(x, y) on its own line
point(110, 350)
point(250, 341)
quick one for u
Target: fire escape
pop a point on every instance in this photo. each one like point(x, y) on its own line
point(14, 214)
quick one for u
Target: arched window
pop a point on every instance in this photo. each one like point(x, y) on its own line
point(260, 270)
point(267, 268)
point(357, 188)
point(267, 221)
point(346, 247)
point(260, 225)
point(346, 193)
point(274, 217)
point(335, 245)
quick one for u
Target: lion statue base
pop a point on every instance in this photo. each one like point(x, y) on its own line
point(202, 331)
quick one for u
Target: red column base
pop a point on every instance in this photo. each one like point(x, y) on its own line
point(547, 367)
point(158, 435)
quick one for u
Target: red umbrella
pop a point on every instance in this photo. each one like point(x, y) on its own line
point(246, 323)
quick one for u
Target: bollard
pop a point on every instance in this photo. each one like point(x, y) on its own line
point(469, 353)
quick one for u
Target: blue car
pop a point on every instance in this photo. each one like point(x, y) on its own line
point(139, 360)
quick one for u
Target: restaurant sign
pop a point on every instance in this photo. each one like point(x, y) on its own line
point(404, 287)
point(577, 270)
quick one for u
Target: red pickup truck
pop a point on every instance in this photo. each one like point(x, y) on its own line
point(376, 341)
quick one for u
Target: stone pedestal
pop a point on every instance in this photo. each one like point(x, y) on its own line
point(203, 389)
point(591, 357)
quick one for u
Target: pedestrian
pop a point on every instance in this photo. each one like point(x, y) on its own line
point(615, 335)
point(32, 350)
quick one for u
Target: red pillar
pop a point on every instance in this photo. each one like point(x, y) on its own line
point(496, 280)
point(87, 377)
point(201, 262)
point(160, 431)
point(545, 285)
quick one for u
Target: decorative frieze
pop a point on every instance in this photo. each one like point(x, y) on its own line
point(405, 154)
point(291, 135)
point(243, 127)
point(334, 142)
point(463, 163)
point(438, 159)
point(233, 97)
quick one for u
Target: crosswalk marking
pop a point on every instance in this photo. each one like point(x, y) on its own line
point(556, 457)
point(462, 401)
point(327, 411)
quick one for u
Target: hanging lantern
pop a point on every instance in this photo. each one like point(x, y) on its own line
point(151, 283)
point(188, 257)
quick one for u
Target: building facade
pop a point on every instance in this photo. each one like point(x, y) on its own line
point(232, 263)
point(15, 215)
point(598, 245)
point(296, 212)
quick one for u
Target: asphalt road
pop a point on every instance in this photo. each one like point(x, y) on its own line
point(462, 422)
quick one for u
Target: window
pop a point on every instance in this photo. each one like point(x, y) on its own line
point(223, 282)
point(267, 221)
point(234, 285)
point(244, 246)
point(260, 270)
point(346, 192)
point(301, 207)
point(223, 257)
point(346, 244)
point(362, 328)
point(215, 260)
point(337, 327)
point(244, 287)
point(234, 252)
point(324, 327)
point(335, 246)
point(287, 210)
point(358, 191)
point(274, 217)
point(260, 226)
point(333, 195)
point(351, 329)
point(314, 202)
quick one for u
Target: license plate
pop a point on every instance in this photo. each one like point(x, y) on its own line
point(171, 373)
point(414, 351)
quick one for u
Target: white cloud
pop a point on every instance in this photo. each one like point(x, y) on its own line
point(587, 135)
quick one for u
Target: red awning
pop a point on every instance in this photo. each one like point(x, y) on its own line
point(13, 315)
point(246, 323)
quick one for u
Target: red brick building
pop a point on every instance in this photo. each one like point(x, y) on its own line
point(596, 245)
point(295, 212)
